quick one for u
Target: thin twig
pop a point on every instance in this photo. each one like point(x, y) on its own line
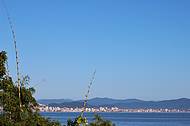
point(87, 93)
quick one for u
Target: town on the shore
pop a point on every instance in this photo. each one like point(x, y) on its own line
point(45, 108)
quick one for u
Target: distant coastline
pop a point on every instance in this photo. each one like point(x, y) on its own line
point(45, 108)
point(114, 105)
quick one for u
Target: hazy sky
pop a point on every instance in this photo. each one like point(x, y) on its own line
point(140, 48)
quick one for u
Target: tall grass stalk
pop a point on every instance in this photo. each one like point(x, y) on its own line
point(16, 50)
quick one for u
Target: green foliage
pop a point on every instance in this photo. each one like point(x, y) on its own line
point(98, 121)
point(3, 59)
point(81, 121)
point(77, 121)
point(13, 114)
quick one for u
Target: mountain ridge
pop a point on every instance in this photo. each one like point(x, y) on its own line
point(180, 103)
point(48, 101)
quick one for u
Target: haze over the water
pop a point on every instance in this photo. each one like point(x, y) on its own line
point(140, 49)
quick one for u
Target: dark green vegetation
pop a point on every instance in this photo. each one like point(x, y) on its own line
point(13, 114)
point(98, 121)
point(26, 114)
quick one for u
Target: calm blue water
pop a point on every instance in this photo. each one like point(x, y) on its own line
point(130, 119)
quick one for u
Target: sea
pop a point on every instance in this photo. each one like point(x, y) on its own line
point(128, 119)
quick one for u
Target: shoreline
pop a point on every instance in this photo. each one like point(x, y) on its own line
point(110, 110)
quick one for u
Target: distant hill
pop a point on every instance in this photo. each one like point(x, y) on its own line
point(49, 101)
point(110, 101)
point(182, 103)
point(73, 104)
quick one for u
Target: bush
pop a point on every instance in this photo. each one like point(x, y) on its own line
point(13, 114)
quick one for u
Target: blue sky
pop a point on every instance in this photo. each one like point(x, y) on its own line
point(140, 48)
